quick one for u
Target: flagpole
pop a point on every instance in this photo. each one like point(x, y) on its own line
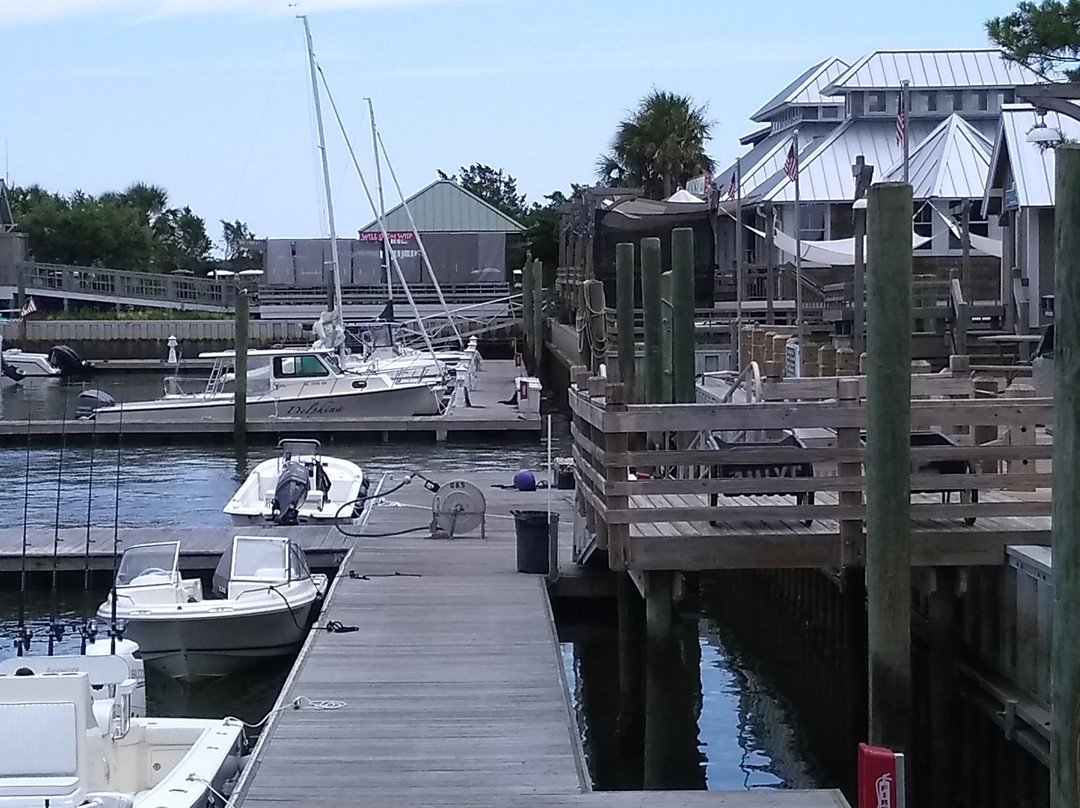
point(739, 270)
point(798, 257)
point(904, 107)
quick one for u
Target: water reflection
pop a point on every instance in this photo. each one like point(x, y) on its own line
point(718, 722)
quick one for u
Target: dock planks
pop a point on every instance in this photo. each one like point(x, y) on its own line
point(452, 688)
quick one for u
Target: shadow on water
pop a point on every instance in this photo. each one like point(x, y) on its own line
point(717, 718)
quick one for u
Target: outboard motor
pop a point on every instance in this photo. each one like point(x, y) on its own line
point(11, 371)
point(89, 401)
point(65, 359)
point(289, 494)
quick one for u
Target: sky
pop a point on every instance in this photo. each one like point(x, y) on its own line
point(212, 99)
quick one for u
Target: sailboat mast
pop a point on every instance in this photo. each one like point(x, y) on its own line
point(339, 315)
point(382, 204)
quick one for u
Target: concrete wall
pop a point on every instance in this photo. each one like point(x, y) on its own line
point(145, 339)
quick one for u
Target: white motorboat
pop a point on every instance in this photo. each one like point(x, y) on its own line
point(301, 485)
point(385, 352)
point(262, 596)
point(60, 361)
point(283, 384)
point(71, 739)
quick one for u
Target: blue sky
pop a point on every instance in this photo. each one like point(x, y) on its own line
point(211, 99)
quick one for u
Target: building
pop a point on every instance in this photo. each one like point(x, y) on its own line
point(465, 239)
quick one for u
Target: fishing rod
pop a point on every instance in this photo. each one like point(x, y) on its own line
point(22, 639)
point(89, 627)
point(114, 629)
point(56, 630)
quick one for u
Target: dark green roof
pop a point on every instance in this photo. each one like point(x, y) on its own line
point(445, 207)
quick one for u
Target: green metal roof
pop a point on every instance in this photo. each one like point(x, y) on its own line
point(445, 207)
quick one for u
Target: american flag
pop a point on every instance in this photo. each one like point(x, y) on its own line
point(733, 188)
point(791, 166)
point(28, 308)
point(901, 118)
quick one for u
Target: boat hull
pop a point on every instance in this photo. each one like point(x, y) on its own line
point(192, 649)
point(418, 399)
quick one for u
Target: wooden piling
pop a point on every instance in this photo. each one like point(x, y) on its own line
point(684, 388)
point(240, 367)
point(624, 316)
point(538, 316)
point(653, 319)
point(666, 340)
point(527, 287)
point(888, 482)
point(1065, 508)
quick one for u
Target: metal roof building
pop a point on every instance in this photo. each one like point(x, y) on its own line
point(446, 207)
point(932, 69)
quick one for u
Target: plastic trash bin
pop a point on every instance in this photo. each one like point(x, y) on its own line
point(531, 528)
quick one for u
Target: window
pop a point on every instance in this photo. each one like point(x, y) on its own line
point(982, 100)
point(1008, 97)
point(810, 113)
point(876, 102)
point(924, 226)
point(855, 105)
point(830, 112)
point(978, 224)
point(841, 221)
point(305, 366)
point(956, 102)
point(812, 222)
point(924, 102)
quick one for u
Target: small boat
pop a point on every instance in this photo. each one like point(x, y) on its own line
point(71, 739)
point(282, 384)
point(301, 485)
point(262, 596)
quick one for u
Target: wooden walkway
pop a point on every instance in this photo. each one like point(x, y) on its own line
point(485, 415)
point(452, 689)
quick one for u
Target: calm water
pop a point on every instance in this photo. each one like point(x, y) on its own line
point(741, 732)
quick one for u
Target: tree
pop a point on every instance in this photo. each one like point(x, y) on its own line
point(238, 254)
point(495, 187)
point(542, 225)
point(659, 146)
point(1042, 36)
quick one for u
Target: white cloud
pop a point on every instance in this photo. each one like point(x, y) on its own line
point(31, 11)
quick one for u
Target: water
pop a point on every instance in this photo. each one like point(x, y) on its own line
point(739, 731)
point(43, 399)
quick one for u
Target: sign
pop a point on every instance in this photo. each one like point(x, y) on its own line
point(1012, 198)
point(395, 236)
point(881, 777)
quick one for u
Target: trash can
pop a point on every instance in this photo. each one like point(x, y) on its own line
point(531, 529)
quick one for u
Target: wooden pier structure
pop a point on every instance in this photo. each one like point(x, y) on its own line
point(701, 501)
point(451, 692)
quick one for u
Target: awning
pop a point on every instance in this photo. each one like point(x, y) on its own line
point(835, 252)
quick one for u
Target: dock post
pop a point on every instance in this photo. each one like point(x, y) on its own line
point(653, 318)
point(240, 367)
point(527, 288)
point(666, 336)
point(538, 316)
point(1065, 507)
point(684, 388)
point(888, 452)
point(624, 316)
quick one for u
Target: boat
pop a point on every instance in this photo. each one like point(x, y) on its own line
point(71, 738)
point(300, 485)
point(60, 362)
point(284, 383)
point(262, 595)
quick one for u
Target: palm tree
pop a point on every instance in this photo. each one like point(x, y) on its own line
point(660, 146)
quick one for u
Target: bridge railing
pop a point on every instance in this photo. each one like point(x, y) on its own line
point(678, 486)
point(107, 285)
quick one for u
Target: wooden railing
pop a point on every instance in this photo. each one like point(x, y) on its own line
point(762, 283)
point(114, 285)
point(695, 507)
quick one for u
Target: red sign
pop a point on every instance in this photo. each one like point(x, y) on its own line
point(395, 236)
point(881, 777)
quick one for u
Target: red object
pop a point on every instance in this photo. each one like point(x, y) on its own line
point(523, 389)
point(881, 773)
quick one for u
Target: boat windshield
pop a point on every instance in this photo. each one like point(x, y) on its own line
point(148, 564)
point(256, 559)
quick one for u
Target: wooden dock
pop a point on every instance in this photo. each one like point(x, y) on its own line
point(484, 415)
point(451, 692)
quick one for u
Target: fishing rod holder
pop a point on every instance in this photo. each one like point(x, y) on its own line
point(23, 637)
